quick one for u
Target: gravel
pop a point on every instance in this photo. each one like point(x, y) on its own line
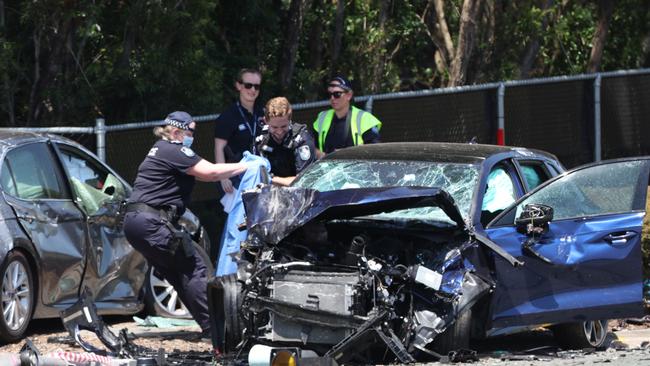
point(42, 333)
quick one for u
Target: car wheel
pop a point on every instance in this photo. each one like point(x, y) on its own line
point(232, 301)
point(456, 336)
point(589, 334)
point(17, 303)
point(162, 299)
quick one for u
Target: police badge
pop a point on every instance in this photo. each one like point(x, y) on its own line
point(304, 152)
point(187, 151)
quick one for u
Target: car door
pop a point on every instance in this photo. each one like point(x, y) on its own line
point(33, 185)
point(114, 271)
point(588, 265)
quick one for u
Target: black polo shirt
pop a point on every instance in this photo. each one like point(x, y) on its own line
point(339, 135)
point(239, 127)
point(162, 179)
point(292, 155)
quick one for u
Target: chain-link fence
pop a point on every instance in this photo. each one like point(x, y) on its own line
point(579, 119)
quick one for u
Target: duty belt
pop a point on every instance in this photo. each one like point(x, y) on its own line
point(181, 238)
point(168, 214)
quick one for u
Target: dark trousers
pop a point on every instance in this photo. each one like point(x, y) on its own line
point(149, 235)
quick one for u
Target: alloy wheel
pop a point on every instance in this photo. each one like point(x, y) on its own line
point(165, 297)
point(595, 331)
point(16, 296)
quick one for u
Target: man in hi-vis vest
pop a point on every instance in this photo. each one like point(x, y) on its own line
point(344, 125)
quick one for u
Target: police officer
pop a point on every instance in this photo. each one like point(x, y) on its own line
point(344, 125)
point(160, 195)
point(236, 128)
point(288, 146)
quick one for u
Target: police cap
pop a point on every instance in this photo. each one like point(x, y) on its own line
point(179, 119)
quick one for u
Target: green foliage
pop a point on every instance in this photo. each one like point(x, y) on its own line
point(64, 62)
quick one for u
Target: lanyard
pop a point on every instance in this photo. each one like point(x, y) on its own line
point(247, 123)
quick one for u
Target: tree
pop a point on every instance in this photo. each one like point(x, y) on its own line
point(64, 62)
point(293, 31)
point(605, 10)
point(466, 41)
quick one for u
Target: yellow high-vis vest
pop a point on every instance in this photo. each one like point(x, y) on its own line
point(363, 121)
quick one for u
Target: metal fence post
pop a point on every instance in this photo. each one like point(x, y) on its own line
point(501, 134)
point(100, 132)
point(597, 122)
point(368, 107)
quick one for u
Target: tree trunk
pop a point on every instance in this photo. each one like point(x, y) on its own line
point(315, 38)
point(605, 10)
point(482, 62)
point(446, 47)
point(131, 29)
point(337, 37)
point(315, 47)
point(48, 60)
point(382, 55)
point(466, 40)
point(8, 90)
point(291, 41)
point(36, 38)
point(532, 50)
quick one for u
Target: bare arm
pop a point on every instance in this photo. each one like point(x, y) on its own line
point(209, 172)
point(219, 146)
point(220, 158)
point(282, 181)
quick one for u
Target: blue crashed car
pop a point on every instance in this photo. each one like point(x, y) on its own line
point(403, 251)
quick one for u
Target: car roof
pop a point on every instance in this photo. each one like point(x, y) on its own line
point(434, 151)
point(11, 137)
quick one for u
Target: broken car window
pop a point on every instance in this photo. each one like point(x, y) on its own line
point(92, 185)
point(458, 180)
point(500, 192)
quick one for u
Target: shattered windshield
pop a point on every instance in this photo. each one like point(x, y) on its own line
point(458, 180)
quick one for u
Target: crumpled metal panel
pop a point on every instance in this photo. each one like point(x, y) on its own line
point(56, 229)
point(115, 271)
point(583, 267)
point(273, 213)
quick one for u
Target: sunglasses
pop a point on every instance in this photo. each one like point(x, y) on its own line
point(336, 94)
point(250, 85)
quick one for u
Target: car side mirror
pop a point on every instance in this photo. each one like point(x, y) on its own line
point(534, 219)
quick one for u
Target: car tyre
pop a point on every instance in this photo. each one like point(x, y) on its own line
point(232, 302)
point(588, 334)
point(161, 299)
point(455, 337)
point(17, 304)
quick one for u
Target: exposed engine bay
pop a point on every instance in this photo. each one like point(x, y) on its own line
point(330, 278)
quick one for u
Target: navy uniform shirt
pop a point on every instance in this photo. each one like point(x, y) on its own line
point(292, 155)
point(239, 127)
point(339, 135)
point(162, 179)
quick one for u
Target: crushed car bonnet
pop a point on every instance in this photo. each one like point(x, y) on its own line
point(273, 213)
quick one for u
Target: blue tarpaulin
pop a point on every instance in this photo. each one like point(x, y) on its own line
point(231, 236)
